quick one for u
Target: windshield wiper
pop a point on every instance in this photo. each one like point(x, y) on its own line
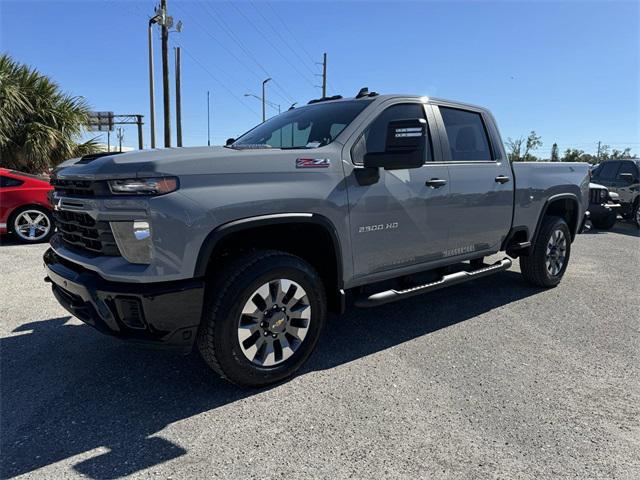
point(253, 146)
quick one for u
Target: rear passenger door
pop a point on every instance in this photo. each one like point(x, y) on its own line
point(481, 181)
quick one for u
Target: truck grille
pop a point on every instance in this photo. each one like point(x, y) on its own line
point(83, 188)
point(79, 230)
point(598, 196)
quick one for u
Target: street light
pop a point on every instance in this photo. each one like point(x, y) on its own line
point(264, 112)
point(152, 107)
point(271, 104)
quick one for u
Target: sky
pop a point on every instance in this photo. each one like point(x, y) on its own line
point(568, 70)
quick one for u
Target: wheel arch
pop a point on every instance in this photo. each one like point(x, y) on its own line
point(565, 205)
point(310, 236)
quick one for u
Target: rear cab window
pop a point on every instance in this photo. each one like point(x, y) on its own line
point(467, 135)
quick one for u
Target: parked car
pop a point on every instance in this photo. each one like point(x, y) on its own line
point(243, 250)
point(623, 178)
point(603, 206)
point(25, 209)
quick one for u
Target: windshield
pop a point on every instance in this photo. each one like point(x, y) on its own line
point(311, 126)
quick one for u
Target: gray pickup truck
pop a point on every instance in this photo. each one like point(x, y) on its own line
point(242, 250)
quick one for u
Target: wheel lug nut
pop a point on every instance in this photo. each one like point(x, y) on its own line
point(266, 334)
point(283, 309)
point(274, 335)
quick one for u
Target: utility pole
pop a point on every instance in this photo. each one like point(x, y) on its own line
point(120, 138)
point(324, 75)
point(165, 73)
point(208, 122)
point(264, 110)
point(178, 101)
point(152, 103)
point(139, 122)
point(598, 156)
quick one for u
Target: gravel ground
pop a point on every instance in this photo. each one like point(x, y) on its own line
point(491, 379)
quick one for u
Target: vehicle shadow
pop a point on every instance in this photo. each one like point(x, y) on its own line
point(67, 390)
point(621, 227)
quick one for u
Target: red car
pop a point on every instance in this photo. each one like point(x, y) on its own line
point(24, 206)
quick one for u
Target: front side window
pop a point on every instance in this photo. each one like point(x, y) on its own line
point(310, 126)
point(468, 139)
point(373, 139)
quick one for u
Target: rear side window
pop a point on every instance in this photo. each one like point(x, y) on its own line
point(9, 182)
point(468, 139)
point(374, 138)
point(607, 171)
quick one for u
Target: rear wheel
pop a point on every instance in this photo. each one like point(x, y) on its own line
point(263, 316)
point(636, 213)
point(548, 261)
point(32, 224)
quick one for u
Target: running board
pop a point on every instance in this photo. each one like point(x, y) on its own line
point(452, 279)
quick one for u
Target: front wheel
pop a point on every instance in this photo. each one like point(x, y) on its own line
point(547, 262)
point(262, 319)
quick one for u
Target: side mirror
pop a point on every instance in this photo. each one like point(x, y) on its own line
point(229, 142)
point(404, 146)
point(627, 177)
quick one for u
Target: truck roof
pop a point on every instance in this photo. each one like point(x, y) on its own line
point(388, 96)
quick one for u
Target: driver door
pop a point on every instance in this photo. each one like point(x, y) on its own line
point(398, 220)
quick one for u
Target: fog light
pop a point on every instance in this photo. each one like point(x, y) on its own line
point(133, 240)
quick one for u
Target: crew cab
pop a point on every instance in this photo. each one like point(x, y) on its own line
point(242, 250)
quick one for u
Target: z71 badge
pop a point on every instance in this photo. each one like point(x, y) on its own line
point(313, 163)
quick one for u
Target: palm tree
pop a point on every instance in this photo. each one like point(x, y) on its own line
point(40, 126)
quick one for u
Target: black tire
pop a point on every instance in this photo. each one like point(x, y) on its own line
point(534, 267)
point(227, 294)
point(23, 238)
point(635, 213)
point(605, 223)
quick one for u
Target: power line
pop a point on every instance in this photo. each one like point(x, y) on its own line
point(219, 81)
point(277, 32)
point(286, 27)
point(225, 28)
point(295, 39)
point(266, 38)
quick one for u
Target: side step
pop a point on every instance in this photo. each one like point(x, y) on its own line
point(452, 279)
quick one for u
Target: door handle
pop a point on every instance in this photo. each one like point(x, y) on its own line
point(435, 183)
point(502, 179)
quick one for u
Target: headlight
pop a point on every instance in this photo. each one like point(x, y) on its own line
point(133, 240)
point(613, 196)
point(144, 186)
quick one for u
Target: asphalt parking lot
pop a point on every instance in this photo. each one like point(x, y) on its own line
point(491, 379)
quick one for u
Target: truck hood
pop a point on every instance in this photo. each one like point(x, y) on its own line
point(185, 161)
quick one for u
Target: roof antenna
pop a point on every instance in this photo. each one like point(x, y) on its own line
point(364, 92)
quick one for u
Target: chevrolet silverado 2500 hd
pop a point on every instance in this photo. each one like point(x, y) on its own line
point(242, 250)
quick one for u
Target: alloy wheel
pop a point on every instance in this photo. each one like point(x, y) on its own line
point(556, 252)
point(32, 225)
point(274, 322)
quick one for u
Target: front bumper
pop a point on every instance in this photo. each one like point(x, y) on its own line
point(603, 210)
point(165, 314)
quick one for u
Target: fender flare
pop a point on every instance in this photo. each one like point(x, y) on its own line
point(543, 212)
point(218, 233)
